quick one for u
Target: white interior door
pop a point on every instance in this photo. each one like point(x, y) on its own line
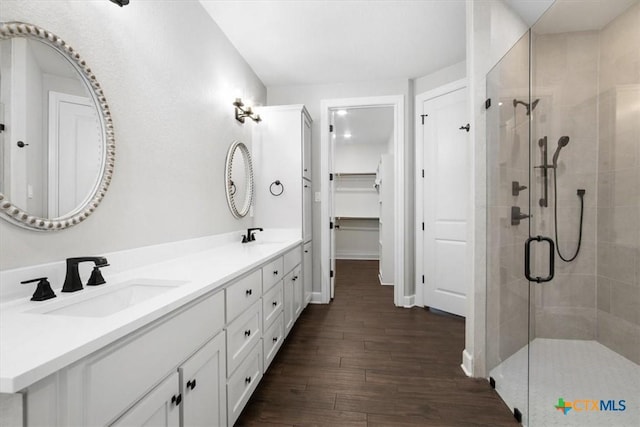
point(445, 201)
point(75, 152)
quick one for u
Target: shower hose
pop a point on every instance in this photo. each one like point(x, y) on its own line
point(555, 217)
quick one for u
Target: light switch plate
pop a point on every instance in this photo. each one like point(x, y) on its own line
point(318, 196)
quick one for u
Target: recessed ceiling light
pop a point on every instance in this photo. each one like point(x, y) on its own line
point(347, 135)
point(500, 104)
point(341, 112)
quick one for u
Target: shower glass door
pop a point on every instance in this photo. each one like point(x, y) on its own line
point(508, 205)
point(563, 180)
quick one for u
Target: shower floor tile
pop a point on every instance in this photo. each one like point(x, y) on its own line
point(572, 370)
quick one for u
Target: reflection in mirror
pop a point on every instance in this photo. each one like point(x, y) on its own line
point(56, 149)
point(239, 179)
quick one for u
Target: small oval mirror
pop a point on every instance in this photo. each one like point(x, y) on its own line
point(239, 179)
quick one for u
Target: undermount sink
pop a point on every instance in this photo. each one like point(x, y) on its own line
point(108, 301)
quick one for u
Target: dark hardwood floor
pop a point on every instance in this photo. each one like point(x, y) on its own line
point(360, 361)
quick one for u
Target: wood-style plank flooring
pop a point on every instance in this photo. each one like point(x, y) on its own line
point(360, 361)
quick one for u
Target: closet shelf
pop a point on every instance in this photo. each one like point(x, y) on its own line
point(355, 174)
point(355, 190)
point(339, 217)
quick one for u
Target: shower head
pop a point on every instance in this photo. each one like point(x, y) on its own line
point(529, 107)
point(562, 142)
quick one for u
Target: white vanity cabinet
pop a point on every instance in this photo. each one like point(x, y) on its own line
point(197, 365)
point(195, 395)
point(159, 408)
point(202, 385)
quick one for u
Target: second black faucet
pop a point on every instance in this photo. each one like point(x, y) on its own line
point(250, 237)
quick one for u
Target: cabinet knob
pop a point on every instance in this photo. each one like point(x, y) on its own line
point(191, 384)
point(248, 292)
point(306, 252)
point(275, 303)
point(294, 278)
point(176, 400)
point(275, 339)
point(247, 332)
point(247, 380)
point(275, 272)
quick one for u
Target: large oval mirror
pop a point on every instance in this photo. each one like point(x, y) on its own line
point(56, 138)
point(239, 179)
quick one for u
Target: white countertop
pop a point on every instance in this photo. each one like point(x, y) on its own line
point(33, 346)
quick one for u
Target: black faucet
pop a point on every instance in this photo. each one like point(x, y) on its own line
point(250, 237)
point(72, 280)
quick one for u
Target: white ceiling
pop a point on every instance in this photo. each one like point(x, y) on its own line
point(307, 42)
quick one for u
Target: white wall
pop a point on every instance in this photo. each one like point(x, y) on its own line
point(441, 77)
point(360, 158)
point(492, 28)
point(169, 75)
point(311, 97)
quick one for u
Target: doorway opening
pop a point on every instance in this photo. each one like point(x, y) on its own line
point(362, 160)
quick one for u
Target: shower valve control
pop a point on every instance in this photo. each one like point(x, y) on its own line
point(517, 215)
point(516, 188)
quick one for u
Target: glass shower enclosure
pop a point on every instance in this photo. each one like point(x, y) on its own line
point(563, 234)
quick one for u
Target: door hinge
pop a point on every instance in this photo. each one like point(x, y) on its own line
point(423, 116)
point(330, 128)
point(1, 127)
point(423, 173)
point(330, 177)
point(487, 103)
point(331, 273)
point(330, 225)
point(423, 226)
point(423, 278)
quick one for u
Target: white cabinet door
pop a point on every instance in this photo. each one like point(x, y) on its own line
point(307, 272)
point(159, 408)
point(307, 206)
point(306, 146)
point(203, 381)
point(298, 291)
point(289, 309)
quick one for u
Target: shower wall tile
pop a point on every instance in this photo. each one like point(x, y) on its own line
point(619, 335)
point(604, 293)
point(618, 234)
point(569, 291)
point(618, 262)
point(625, 300)
point(566, 323)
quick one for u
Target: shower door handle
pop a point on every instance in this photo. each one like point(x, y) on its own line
point(527, 259)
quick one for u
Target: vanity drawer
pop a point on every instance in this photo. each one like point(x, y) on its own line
point(292, 258)
point(271, 305)
point(242, 294)
point(272, 340)
point(272, 273)
point(243, 383)
point(242, 334)
point(109, 388)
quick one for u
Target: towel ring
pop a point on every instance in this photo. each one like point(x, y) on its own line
point(276, 183)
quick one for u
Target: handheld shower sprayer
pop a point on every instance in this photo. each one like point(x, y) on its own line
point(562, 142)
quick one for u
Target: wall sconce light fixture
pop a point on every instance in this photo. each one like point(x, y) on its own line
point(242, 112)
point(120, 2)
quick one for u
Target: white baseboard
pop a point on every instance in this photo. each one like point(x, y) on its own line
point(467, 363)
point(409, 301)
point(316, 298)
point(383, 283)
